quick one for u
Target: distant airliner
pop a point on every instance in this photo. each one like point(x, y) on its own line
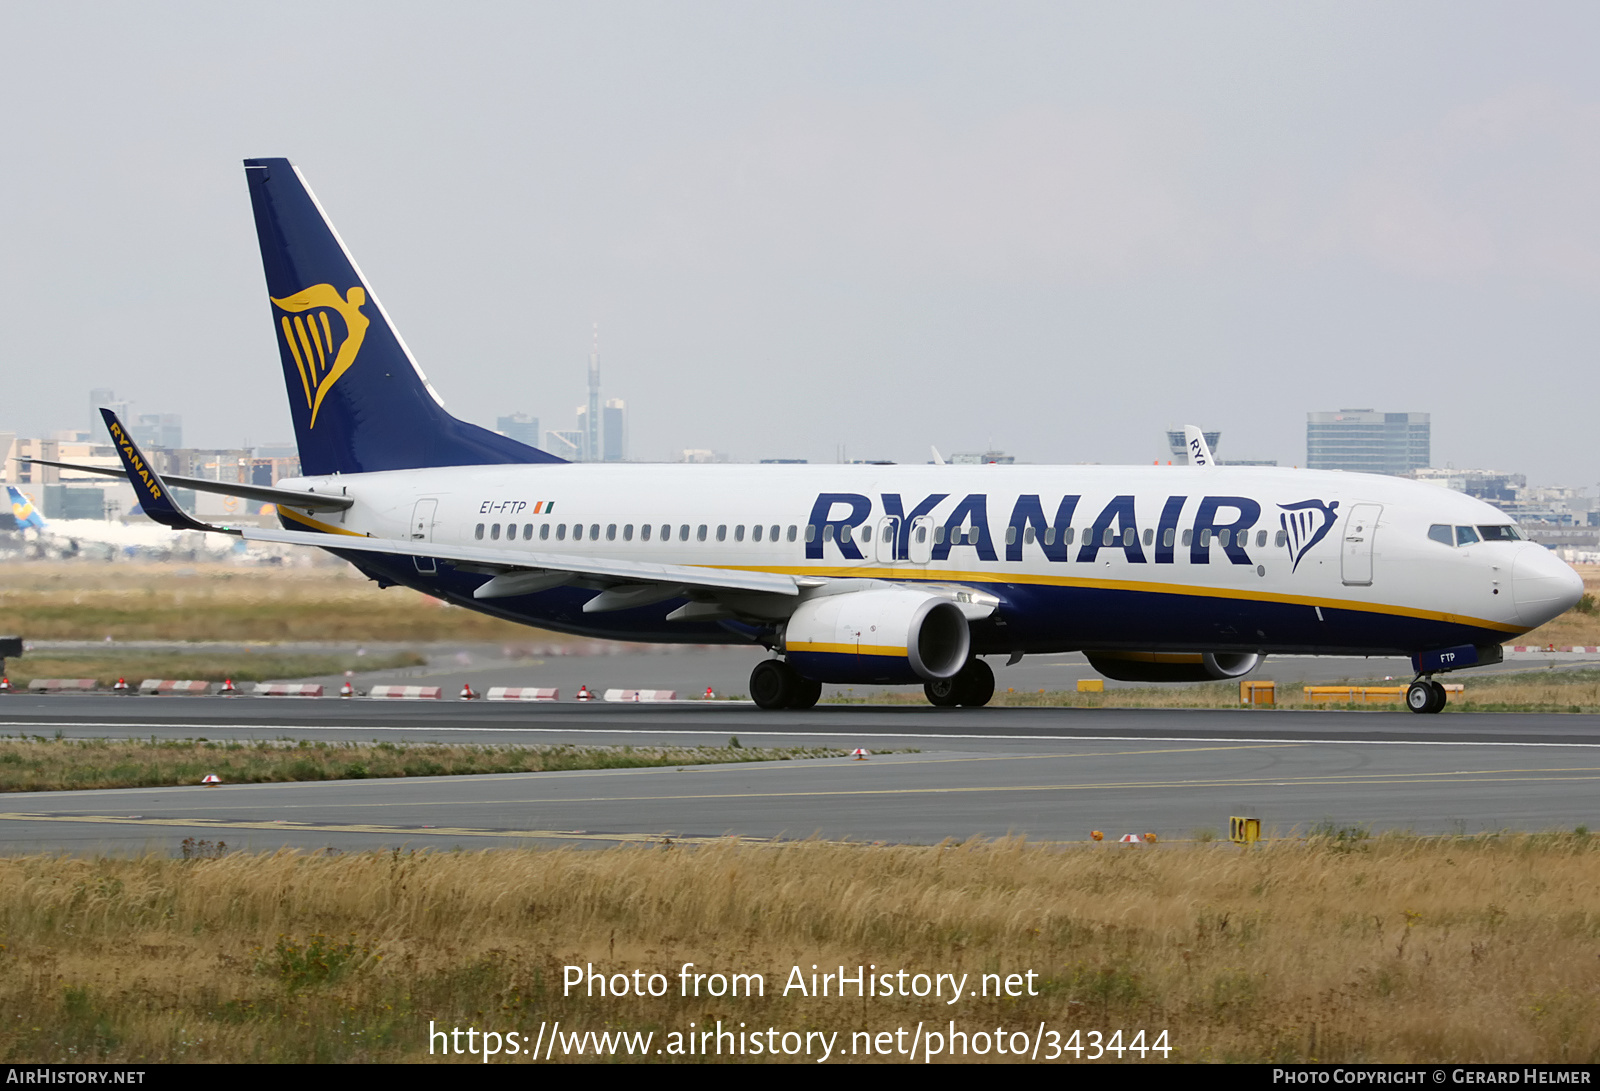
point(857, 574)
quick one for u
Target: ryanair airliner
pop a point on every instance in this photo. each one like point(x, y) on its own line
point(859, 574)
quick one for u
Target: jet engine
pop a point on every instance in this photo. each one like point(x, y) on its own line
point(890, 635)
point(1174, 666)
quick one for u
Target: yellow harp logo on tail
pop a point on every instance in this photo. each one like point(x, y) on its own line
point(324, 332)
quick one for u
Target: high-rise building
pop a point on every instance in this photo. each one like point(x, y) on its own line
point(103, 397)
point(156, 430)
point(590, 422)
point(1366, 441)
point(602, 432)
point(520, 427)
point(615, 431)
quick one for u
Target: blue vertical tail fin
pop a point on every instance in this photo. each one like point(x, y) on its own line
point(359, 401)
point(23, 513)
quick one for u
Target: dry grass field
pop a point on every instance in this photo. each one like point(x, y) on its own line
point(43, 765)
point(1329, 949)
point(83, 600)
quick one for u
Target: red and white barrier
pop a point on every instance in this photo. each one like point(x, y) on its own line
point(1582, 649)
point(287, 689)
point(61, 685)
point(521, 693)
point(641, 695)
point(407, 693)
point(164, 685)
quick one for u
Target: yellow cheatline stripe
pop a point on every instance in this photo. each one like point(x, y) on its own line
point(317, 524)
point(924, 575)
point(294, 350)
point(1154, 785)
point(848, 649)
point(1235, 593)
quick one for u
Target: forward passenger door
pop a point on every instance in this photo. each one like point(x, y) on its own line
point(1360, 529)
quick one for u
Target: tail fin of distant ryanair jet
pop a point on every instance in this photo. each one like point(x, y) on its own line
point(359, 401)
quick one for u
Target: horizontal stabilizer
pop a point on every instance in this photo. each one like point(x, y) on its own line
point(294, 498)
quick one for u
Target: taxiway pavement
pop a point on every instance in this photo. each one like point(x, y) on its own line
point(1048, 774)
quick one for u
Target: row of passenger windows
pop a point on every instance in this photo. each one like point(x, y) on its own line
point(593, 531)
point(863, 534)
point(1460, 536)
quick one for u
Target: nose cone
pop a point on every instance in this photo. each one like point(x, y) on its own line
point(1543, 586)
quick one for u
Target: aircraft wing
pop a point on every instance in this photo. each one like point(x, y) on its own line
point(561, 568)
point(295, 498)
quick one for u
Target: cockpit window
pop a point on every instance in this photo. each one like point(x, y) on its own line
point(1465, 536)
point(1442, 534)
point(1500, 534)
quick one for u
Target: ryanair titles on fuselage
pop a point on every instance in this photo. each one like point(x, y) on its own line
point(1222, 520)
point(1059, 527)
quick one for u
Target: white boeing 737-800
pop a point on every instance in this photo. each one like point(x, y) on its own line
point(861, 574)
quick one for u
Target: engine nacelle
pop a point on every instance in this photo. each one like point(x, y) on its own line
point(891, 635)
point(1174, 666)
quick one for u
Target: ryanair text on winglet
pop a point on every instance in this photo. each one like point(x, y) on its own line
point(131, 454)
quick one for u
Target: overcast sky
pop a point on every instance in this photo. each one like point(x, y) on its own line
point(1060, 228)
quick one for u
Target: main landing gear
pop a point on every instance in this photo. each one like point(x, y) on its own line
point(1425, 695)
point(775, 684)
point(971, 686)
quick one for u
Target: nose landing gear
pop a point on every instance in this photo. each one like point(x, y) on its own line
point(1425, 696)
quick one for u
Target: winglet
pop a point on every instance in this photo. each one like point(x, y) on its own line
point(1199, 453)
point(938, 459)
point(155, 499)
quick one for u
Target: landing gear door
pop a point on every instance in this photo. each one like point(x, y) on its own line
point(888, 539)
point(1355, 558)
point(422, 531)
point(920, 548)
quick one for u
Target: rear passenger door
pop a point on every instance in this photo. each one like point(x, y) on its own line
point(422, 531)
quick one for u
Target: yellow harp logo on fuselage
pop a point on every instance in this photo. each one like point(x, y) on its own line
point(322, 352)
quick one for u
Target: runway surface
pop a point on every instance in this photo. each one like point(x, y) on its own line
point(1049, 774)
point(690, 669)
